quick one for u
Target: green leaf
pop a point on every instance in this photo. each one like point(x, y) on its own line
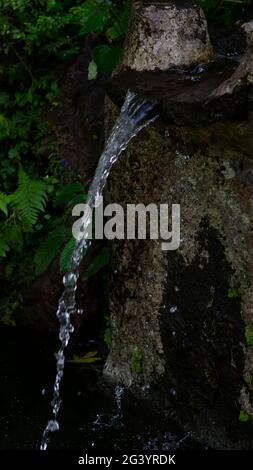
point(95, 22)
point(67, 254)
point(21, 99)
point(8, 320)
point(136, 361)
point(249, 336)
point(92, 16)
point(243, 416)
point(14, 237)
point(4, 200)
point(51, 4)
point(108, 336)
point(49, 249)
point(113, 32)
point(232, 293)
point(106, 57)
point(89, 358)
point(4, 127)
point(13, 153)
point(223, 12)
point(29, 199)
point(101, 260)
point(120, 25)
point(68, 192)
point(4, 248)
point(4, 98)
point(92, 70)
point(79, 199)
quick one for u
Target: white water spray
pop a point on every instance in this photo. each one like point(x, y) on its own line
point(132, 119)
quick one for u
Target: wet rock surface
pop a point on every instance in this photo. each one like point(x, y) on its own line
point(203, 337)
point(185, 97)
point(176, 307)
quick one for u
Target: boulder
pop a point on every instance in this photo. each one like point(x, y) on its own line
point(182, 321)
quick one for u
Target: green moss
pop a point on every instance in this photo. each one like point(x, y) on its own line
point(232, 293)
point(248, 378)
point(243, 416)
point(249, 336)
point(108, 336)
point(136, 361)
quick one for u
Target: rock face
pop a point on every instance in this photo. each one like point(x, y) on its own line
point(182, 315)
point(182, 321)
point(166, 35)
point(194, 97)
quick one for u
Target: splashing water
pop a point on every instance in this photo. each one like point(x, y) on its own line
point(132, 119)
point(118, 394)
point(102, 420)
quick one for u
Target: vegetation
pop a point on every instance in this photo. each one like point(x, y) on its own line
point(243, 416)
point(108, 331)
point(224, 11)
point(232, 293)
point(136, 361)
point(88, 358)
point(249, 336)
point(36, 193)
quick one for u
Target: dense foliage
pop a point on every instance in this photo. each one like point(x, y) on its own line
point(224, 11)
point(36, 194)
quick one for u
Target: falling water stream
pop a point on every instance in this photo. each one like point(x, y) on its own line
point(134, 117)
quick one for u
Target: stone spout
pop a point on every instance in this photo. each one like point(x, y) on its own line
point(165, 35)
point(169, 57)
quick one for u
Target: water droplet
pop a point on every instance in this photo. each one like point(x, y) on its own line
point(69, 280)
point(146, 388)
point(173, 309)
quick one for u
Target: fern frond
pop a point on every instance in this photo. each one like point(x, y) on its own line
point(4, 201)
point(29, 199)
